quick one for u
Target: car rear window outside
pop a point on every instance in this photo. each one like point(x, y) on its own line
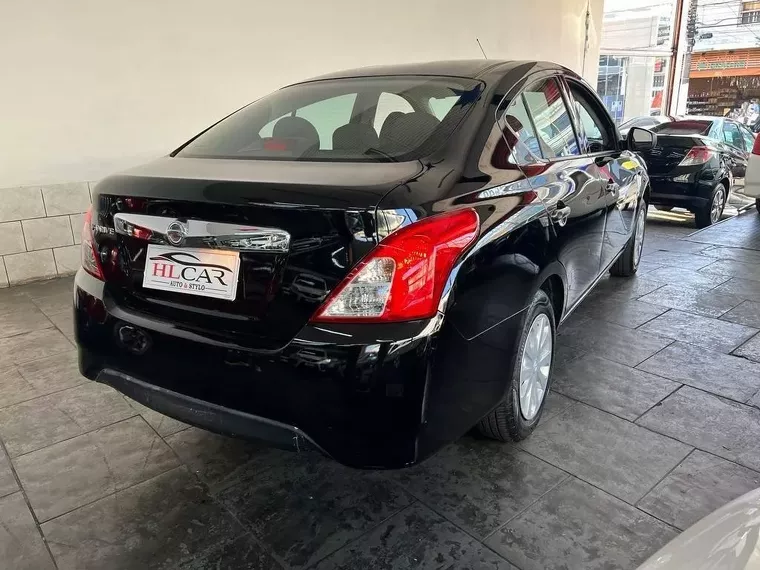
point(683, 128)
point(357, 119)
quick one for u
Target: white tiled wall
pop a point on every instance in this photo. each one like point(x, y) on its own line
point(40, 227)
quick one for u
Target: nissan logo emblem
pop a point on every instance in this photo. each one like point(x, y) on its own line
point(176, 232)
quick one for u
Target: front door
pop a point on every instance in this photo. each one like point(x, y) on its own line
point(563, 178)
point(618, 170)
point(734, 143)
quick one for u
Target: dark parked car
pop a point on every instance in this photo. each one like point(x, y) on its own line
point(646, 122)
point(696, 163)
point(370, 262)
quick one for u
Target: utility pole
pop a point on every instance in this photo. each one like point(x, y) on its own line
point(677, 59)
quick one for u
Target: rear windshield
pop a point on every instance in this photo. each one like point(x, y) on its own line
point(683, 128)
point(358, 119)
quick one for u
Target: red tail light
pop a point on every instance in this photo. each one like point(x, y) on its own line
point(90, 261)
point(756, 146)
point(697, 155)
point(403, 278)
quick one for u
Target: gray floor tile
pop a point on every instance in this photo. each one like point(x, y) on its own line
point(53, 373)
point(422, 539)
point(705, 303)
point(623, 287)
point(13, 301)
point(19, 322)
point(702, 331)
point(8, 483)
point(54, 304)
point(221, 461)
point(611, 341)
point(52, 287)
point(479, 484)
point(64, 322)
point(750, 349)
point(164, 425)
point(690, 261)
point(686, 278)
point(628, 313)
point(747, 313)
point(555, 404)
point(244, 553)
point(95, 464)
point(744, 288)
point(739, 254)
point(49, 419)
point(613, 454)
point(21, 546)
point(564, 353)
point(755, 400)
point(306, 507)
point(645, 267)
point(722, 427)
point(156, 524)
point(32, 346)
point(722, 374)
point(612, 387)
point(13, 387)
point(697, 487)
point(579, 526)
point(733, 268)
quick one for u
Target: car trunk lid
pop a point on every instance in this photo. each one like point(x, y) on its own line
point(670, 150)
point(296, 230)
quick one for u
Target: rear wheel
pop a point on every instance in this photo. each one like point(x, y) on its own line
point(628, 262)
point(710, 214)
point(530, 377)
point(757, 205)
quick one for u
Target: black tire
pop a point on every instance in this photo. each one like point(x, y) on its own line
point(757, 205)
point(506, 422)
point(702, 216)
point(628, 262)
point(665, 208)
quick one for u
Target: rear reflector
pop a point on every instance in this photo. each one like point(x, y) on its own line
point(404, 277)
point(90, 261)
point(697, 155)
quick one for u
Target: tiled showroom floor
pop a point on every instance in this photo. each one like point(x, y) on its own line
point(653, 423)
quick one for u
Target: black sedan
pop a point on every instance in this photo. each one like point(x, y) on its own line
point(696, 163)
point(370, 262)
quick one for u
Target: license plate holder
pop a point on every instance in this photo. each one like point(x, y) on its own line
point(201, 272)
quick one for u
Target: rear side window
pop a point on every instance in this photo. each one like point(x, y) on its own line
point(553, 127)
point(749, 139)
point(358, 120)
point(523, 141)
point(732, 136)
point(683, 128)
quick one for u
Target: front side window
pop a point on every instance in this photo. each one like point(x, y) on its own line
point(749, 139)
point(356, 119)
point(732, 136)
point(554, 130)
point(593, 128)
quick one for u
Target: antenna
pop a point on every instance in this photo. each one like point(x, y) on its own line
point(481, 48)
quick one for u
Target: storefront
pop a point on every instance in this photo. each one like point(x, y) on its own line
point(725, 83)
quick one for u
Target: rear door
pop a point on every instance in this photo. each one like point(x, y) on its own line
point(564, 179)
point(617, 169)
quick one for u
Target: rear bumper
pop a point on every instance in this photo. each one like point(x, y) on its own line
point(693, 195)
point(203, 414)
point(374, 396)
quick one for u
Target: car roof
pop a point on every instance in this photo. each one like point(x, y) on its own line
point(698, 118)
point(472, 68)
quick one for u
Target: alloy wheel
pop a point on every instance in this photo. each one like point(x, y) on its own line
point(535, 365)
point(716, 209)
point(638, 236)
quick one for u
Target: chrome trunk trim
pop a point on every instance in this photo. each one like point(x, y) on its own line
point(178, 232)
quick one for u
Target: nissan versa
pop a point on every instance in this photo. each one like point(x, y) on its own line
point(370, 262)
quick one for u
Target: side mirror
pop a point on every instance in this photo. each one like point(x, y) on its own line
point(640, 140)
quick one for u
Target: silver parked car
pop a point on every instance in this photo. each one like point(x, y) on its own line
point(728, 539)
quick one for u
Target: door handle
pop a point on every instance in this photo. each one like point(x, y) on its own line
point(561, 214)
point(612, 186)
